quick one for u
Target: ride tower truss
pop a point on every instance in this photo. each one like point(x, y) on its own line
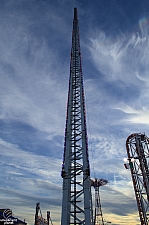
point(137, 146)
point(76, 201)
point(98, 216)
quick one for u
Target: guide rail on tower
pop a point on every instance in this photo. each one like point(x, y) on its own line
point(76, 202)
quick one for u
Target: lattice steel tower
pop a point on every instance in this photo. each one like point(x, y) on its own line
point(137, 146)
point(76, 202)
point(98, 216)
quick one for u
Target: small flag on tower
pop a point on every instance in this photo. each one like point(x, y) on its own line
point(128, 165)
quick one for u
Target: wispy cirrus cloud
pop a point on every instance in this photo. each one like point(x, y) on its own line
point(122, 58)
point(30, 91)
point(13, 156)
point(136, 116)
point(122, 82)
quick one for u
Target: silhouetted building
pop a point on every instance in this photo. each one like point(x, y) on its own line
point(6, 217)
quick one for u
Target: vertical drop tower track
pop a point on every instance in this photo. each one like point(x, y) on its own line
point(76, 201)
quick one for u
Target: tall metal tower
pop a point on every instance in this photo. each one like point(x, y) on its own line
point(98, 216)
point(137, 146)
point(76, 202)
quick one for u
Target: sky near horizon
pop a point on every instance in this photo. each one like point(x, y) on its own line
point(35, 45)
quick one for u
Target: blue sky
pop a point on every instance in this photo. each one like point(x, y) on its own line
point(35, 44)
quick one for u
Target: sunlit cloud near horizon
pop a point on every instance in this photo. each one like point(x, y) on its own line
point(35, 48)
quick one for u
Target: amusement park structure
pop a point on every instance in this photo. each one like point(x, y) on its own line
point(77, 207)
point(98, 216)
point(39, 220)
point(76, 201)
point(137, 146)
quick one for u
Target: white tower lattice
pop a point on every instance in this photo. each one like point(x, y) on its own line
point(76, 202)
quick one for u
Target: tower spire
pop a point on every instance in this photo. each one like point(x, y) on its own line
point(76, 202)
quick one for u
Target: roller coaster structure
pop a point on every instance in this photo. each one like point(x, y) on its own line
point(137, 146)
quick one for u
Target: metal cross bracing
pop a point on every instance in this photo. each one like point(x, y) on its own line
point(76, 201)
point(137, 146)
point(98, 216)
